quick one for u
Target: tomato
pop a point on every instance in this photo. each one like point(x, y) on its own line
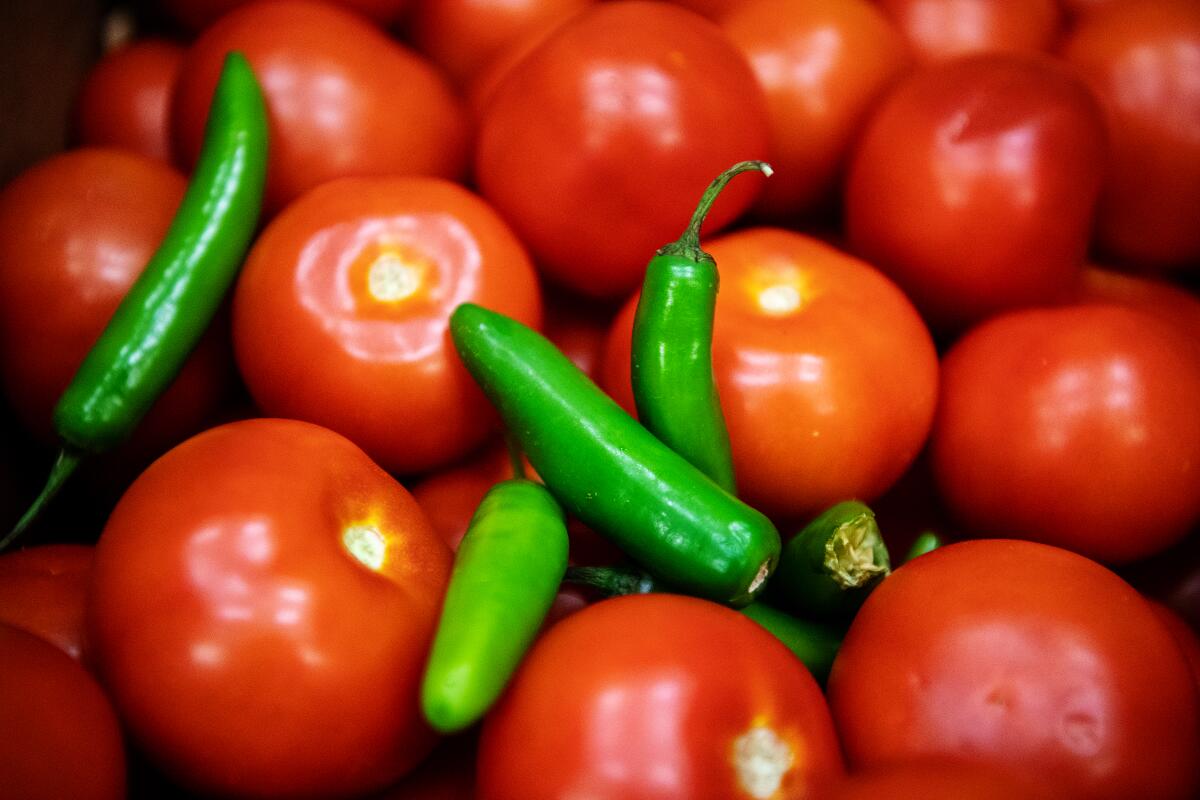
point(658, 696)
point(939, 30)
point(341, 315)
point(76, 230)
point(1170, 303)
point(1025, 657)
point(43, 590)
point(270, 639)
point(1142, 59)
point(806, 342)
point(342, 98)
point(1075, 426)
point(937, 779)
point(975, 183)
point(579, 329)
point(63, 737)
point(126, 98)
point(199, 14)
point(1184, 636)
point(823, 66)
point(464, 36)
point(598, 144)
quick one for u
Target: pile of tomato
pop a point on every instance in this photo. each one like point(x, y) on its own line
point(967, 296)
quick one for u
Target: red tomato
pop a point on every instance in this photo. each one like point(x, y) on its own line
point(342, 98)
point(75, 232)
point(579, 329)
point(199, 14)
point(1184, 636)
point(1170, 303)
point(937, 779)
point(1075, 426)
point(939, 30)
point(598, 144)
point(1142, 60)
point(270, 640)
point(43, 590)
point(1024, 657)
point(806, 342)
point(341, 315)
point(658, 696)
point(62, 738)
point(823, 66)
point(126, 98)
point(975, 183)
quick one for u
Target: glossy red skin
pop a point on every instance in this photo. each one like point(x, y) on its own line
point(823, 67)
point(314, 342)
point(75, 232)
point(245, 647)
point(1140, 59)
point(937, 779)
point(974, 185)
point(939, 30)
point(642, 96)
point(199, 14)
point(43, 590)
point(342, 98)
point(126, 98)
point(801, 390)
point(1075, 426)
point(1169, 302)
point(1184, 635)
point(643, 697)
point(63, 737)
point(1024, 657)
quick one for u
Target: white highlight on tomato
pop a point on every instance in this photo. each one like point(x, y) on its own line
point(366, 544)
point(761, 759)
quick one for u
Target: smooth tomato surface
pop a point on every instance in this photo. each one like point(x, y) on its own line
point(199, 14)
point(341, 315)
point(939, 30)
point(342, 98)
point(598, 144)
point(262, 602)
point(1025, 657)
point(658, 696)
point(63, 737)
point(975, 183)
point(1076, 426)
point(43, 590)
point(807, 340)
point(937, 779)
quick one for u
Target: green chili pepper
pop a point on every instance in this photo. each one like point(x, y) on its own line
point(506, 574)
point(827, 570)
point(927, 542)
point(612, 473)
point(170, 305)
point(671, 367)
point(812, 643)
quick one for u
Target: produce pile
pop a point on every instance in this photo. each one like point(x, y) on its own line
point(609, 400)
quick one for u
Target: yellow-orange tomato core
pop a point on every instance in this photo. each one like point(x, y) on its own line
point(778, 292)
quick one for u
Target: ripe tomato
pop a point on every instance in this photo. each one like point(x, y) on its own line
point(341, 315)
point(1141, 59)
point(1075, 426)
point(939, 30)
point(63, 737)
point(822, 66)
point(974, 185)
point(43, 590)
point(126, 98)
point(199, 14)
point(806, 342)
point(597, 145)
point(269, 641)
point(1184, 636)
point(1025, 657)
point(342, 98)
point(937, 779)
point(75, 232)
point(1170, 303)
point(658, 696)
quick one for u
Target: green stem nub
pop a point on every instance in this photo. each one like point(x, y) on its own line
point(64, 466)
point(688, 245)
point(927, 542)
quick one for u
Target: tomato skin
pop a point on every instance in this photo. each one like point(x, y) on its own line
point(43, 590)
point(660, 687)
point(64, 739)
point(937, 779)
point(1074, 426)
point(997, 162)
point(126, 98)
point(800, 386)
point(940, 30)
point(342, 98)
point(1141, 60)
point(315, 341)
point(199, 14)
point(823, 66)
point(1025, 657)
point(641, 96)
point(245, 647)
point(1170, 303)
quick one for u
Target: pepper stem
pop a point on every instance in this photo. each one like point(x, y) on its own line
point(688, 245)
point(66, 463)
point(855, 554)
point(927, 542)
point(612, 581)
point(515, 457)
